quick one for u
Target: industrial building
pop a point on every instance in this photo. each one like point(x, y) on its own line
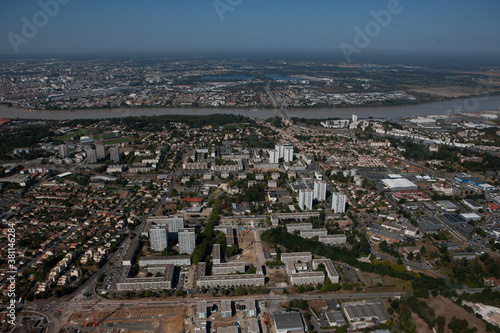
point(447, 205)
point(365, 311)
point(289, 322)
point(472, 204)
point(335, 318)
point(399, 184)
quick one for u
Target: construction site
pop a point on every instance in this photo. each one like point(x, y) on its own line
point(147, 319)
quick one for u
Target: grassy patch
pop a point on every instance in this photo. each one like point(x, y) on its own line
point(120, 140)
point(72, 134)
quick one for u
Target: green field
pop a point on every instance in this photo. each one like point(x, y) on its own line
point(104, 136)
point(68, 136)
point(120, 140)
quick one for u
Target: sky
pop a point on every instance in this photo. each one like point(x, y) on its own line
point(124, 26)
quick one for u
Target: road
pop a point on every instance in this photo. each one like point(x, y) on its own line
point(276, 102)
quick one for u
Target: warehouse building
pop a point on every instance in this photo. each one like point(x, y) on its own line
point(366, 311)
point(335, 318)
point(289, 322)
point(399, 184)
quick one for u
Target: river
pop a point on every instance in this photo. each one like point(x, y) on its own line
point(439, 108)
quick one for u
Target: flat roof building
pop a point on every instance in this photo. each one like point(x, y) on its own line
point(250, 307)
point(253, 325)
point(187, 240)
point(293, 257)
point(180, 260)
point(331, 271)
point(399, 184)
point(228, 268)
point(313, 233)
point(227, 281)
point(226, 308)
point(335, 318)
point(448, 205)
point(216, 254)
point(337, 239)
point(201, 310)
point(289, 322)
point(291, 227)
point(158, 238)
point(126, 283)
point(366, 311)
point(307, 278)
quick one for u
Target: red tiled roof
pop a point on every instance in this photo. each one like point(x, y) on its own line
point(189, 199)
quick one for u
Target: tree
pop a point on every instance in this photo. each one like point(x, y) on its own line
point(440, 323)
point(251, 270)
point(410, 256)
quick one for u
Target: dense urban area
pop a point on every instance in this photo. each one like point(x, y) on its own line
point(226, 223)
point(56, 84)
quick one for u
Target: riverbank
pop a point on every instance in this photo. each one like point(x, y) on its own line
point(476, 104)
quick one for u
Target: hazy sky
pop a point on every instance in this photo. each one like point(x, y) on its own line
point(156, 25)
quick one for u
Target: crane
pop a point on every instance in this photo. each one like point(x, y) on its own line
point(91, 307)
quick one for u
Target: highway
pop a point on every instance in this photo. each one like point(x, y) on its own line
point(276, 102)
